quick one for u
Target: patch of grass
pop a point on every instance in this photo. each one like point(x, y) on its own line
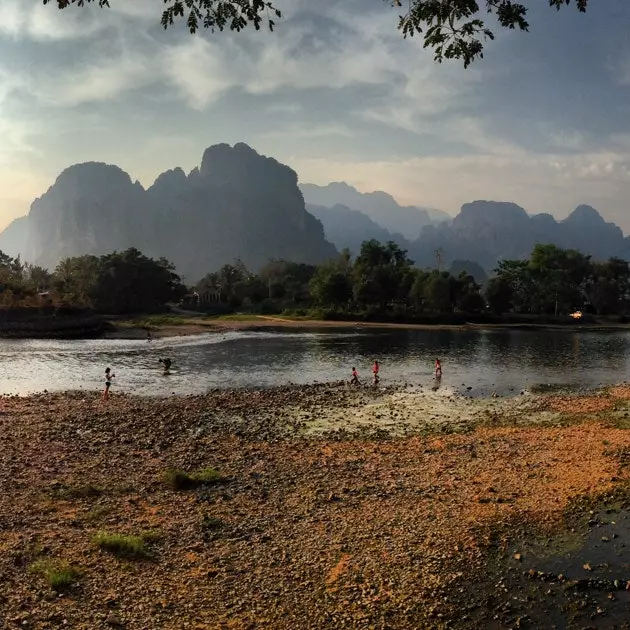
point(123, 546)
point(98, 512)
point(68, 493)
point(154, 321)
point(236, 317)
point(59, 574)
point(180, 480)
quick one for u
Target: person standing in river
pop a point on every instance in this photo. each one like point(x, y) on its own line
point(438, 369)
point(108, 382)
point(167, 365)
point(355, 377)
point(375, 369)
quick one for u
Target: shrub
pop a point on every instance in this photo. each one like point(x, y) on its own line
point(180, 480)
point(122, 546)
point(59, 575)
point(67, 493)
point(98, 512)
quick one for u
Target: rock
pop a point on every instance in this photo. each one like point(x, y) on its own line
point(114, 621)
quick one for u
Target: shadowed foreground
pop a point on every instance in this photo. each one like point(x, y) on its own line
point(360, 530)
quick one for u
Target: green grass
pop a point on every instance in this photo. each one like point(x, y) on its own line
point(180, 480)
point(124, 546)
point(154, 321)
point(235, 317)
point(59, 575)
point(67, 493)
point(98, 512)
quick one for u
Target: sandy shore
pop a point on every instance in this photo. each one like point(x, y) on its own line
point(335, 508)
point(199, 325)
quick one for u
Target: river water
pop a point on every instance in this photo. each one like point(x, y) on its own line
point(507, 362)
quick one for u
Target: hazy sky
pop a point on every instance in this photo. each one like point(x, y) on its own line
point(335, 92)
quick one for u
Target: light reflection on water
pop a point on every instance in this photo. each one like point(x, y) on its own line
point(499, 360)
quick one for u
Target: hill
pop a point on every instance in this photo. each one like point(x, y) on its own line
point(349, 228)
point(488, 231)
point(379, 206)
point(236, 204)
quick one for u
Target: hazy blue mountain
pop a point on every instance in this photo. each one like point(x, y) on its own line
point(13, 237)
point(470, 267)
point(344, 227)
point(237, 204)
point(488, 231)
point(381, 207)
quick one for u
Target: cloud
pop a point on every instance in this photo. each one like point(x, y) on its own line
point(335, 92)
point(198, 69)
point(534, 181)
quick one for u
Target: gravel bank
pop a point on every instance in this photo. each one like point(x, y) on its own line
point(336, 507)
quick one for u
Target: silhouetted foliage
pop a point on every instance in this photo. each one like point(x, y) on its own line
point(452, 29)
point(557, 281)
point(121, 282)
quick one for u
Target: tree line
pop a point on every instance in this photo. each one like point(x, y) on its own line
point(120, 282)
point(380, 282)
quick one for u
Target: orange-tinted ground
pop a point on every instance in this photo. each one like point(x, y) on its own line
point(305, 532)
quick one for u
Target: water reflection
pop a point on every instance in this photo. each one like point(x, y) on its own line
point(497, 360)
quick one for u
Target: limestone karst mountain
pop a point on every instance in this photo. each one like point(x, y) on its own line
point(237, 204)
point(13, 237)
point(344, 227)
point(381, 207)
point(489, 231)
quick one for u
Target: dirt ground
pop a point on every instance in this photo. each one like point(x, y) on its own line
point(310, 525)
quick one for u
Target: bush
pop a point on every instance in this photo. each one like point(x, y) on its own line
point(59, 575)
point(67, 493)
point(122, 546)
point(180, 480)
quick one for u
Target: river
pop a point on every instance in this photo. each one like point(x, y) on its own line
point(507, 362)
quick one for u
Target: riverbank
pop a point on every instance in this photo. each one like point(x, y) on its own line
point(332, 507)
point(171, 326)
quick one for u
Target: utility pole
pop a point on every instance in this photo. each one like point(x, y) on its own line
point(438, 258)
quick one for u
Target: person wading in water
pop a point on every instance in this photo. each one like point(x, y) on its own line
point(108, 382)
point(375, 369)
point(167, 365)
point(355, 377)
point(438, 369)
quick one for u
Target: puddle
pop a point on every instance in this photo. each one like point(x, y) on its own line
point(576, 580)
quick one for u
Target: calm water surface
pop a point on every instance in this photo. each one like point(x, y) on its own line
point(487, 361)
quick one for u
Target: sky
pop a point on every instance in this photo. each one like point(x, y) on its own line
point(335, 92)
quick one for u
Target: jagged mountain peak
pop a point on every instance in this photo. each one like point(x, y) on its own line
point(585, 214)
point(238, 204)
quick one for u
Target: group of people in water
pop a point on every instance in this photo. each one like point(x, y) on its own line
point(376, 366)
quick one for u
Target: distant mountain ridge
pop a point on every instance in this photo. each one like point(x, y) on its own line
point(484, 232)
point(344, 227)
point(489, 231)
point(236, 204)
point(380, 206)
point(239, 204)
